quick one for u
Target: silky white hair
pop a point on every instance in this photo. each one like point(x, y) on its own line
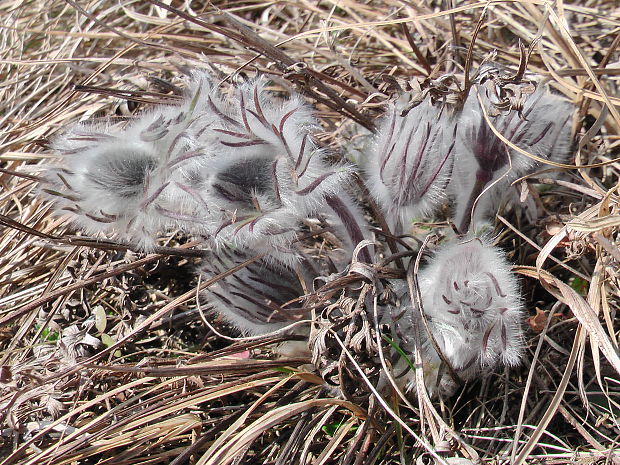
point(411, 160)
point(484, 163)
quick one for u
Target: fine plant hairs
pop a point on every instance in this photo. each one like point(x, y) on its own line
point(472, 303)
point(120, 181)
point(541, 127)
point(411, 160)
point(259, 298)
point(238, 168)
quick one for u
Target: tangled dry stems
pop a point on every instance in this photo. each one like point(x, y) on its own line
point(104, 355)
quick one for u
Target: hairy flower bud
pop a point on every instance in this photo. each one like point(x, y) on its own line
point(259, 298)
point(267, 173)
point(472, 303)
point(411, 161)
point(541, 127)
point(120, 181)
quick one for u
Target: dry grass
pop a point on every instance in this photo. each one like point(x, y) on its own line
point(105, 358)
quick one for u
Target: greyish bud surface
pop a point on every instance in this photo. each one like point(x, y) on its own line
point(473, 305)
point(411, 161)
point(541, 128)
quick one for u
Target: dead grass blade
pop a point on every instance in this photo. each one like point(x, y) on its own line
point(226, 455)
point(553, 405)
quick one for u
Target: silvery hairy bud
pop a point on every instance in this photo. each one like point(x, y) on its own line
point(473, 306)
point(124, 181)
point(483, 161)
point(262, 297)
point(411, 160)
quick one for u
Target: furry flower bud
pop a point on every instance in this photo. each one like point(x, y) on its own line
point(266, 174)
point(542, 128)
point(411, 161)
point(259, 298)
point(120, 181)
point(473, 306)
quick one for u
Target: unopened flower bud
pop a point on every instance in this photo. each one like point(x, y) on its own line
point(259, 298)
point(120, 181)
point(541, 127)
point(411, 161)
point(267, 173)
point(472, 303)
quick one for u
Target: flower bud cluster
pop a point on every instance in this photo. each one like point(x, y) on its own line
point(239, 169)
point(242, 171)
point(436, 150)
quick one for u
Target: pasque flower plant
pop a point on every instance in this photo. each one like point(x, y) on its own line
point(470, 298)
point(241, 170)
